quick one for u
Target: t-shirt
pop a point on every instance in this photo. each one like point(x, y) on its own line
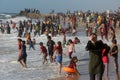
point(43, 49)
point(24, 50)
point(59, 49)
point(50, 45)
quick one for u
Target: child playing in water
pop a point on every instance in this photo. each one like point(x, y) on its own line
point(73, 75)
point(44, 52)
point(71, 48)
point(58, 56)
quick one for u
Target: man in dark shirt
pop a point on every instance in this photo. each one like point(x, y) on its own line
point(50, 44)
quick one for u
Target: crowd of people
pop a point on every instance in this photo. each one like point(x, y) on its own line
point(98, 50)
point(56, 24)
point(103, 25)
point(31, 10)
point(99, 58)
point(53, 50)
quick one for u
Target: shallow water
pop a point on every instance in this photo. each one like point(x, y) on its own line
point(10, 69)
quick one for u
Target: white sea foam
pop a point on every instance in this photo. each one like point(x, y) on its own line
point(17, 19)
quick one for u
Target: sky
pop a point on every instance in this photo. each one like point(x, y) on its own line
point(46, 6)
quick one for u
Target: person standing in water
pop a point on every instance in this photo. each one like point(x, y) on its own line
point(23, 55)
point(50, 45)
point(95, 47)
point(58, 56)
point(19, 48)
point(114, 54)
point(43, 50)
point(105, 59)
point(71, 48)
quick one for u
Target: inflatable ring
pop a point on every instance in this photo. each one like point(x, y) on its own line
point(68, 69)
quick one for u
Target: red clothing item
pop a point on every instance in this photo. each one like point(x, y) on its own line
point(19, 45)
point(105, 59)
point(75, 41)
point(72, 65)
point(43, 49)
point(58, 47)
